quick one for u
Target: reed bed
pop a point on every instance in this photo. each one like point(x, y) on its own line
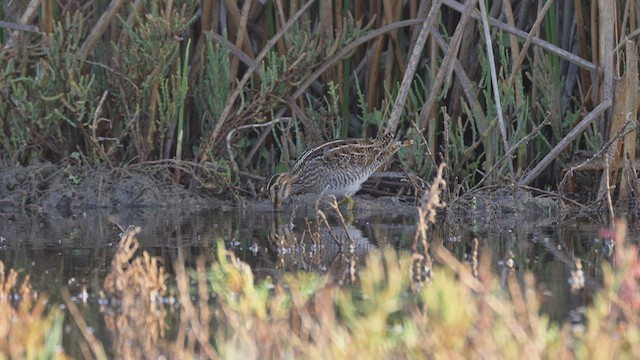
point(221, 94)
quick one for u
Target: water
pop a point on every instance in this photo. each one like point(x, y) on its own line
point(75, 252)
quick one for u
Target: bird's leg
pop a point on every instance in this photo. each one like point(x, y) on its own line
point(349, 216)
point(349, 201)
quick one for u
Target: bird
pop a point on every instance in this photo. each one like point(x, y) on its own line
point(337, 167)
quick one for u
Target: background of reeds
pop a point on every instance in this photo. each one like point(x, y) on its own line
point(221, 94)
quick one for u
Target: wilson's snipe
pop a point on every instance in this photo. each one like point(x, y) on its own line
point(334, 168)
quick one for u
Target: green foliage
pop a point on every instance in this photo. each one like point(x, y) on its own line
point(151, 88)
point(212, 90)
point(325, 119)
point(453, 316)
point(55, 106)
point(370, 117)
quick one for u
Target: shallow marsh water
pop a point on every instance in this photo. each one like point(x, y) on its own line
point(75, 251)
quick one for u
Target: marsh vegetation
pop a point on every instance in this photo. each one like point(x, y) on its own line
point(207, 99)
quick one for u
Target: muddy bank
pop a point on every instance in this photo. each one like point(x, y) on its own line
point(506, 208)
point(46, 187)
point(64, 189)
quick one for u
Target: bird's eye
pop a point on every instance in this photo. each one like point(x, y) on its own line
point(276, 187)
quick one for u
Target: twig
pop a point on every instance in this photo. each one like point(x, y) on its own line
point(532, 34)
point(572, 135)
point(608, 185)
point(320, 214)
point(554, 194)
point(232, 160)
point(602, 153)
point(526, 138)
point(29, 13)
point(336, 207)
point(115, 72)
point(19, 27)
point(94, 126)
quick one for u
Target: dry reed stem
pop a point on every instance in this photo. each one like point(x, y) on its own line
point(347, 49)
point(374, 71)
point(241, 35)
point(414, 59)
point(30, 12)
point(446, 63)
point(606, 31)
point(494, 86)
point(582, 46)
point(206, 7)
point(535, 29)
point(95, 345)
point(47, 16)
point(395, 15)
point(99, 28)
point(564, 54)
point(623, 117)
point(515, 52)
point(246, 59)
point(468, 86)
point(19, 27)
point(629, 175)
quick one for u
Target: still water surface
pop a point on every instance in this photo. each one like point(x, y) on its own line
point(75, 252)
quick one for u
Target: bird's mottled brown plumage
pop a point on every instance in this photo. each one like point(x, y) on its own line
point(337, 167)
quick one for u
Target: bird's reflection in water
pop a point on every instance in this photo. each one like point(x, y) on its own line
point(318, 245)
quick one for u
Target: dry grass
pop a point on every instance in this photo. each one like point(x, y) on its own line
point(28, 329)
point(135, 289)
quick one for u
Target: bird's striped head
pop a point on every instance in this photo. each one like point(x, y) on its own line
point(280, 188)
